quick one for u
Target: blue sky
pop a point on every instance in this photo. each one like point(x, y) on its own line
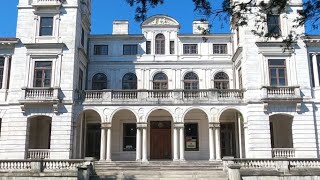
point(105, 11)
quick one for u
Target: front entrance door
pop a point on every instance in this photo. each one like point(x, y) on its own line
point(228, 141)
point(93, 140)
point(160, 140)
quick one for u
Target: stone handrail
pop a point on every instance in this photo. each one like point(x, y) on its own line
point(40, 93)
point(175, 96)
point(283, 152)
point(41, 165)
point(281, 92)
point(38, 153)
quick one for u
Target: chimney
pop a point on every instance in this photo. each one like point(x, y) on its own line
point(120, 27)
point(199, 26)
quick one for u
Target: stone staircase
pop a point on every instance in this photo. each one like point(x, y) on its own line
point(159, 170)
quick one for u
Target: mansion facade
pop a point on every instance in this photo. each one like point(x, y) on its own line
point(158, 95)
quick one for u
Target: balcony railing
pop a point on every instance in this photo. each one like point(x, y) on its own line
point(283, 152)
point(160, 96)
point(46, 2)
point(38, 153)
point(40, 95)
point(281, 93)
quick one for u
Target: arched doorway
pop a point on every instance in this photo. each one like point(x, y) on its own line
point(231, 134)
point(124, 130)
point(196, 134)
point(281, 136)
point(160, 135)
point(88, 135)
point(39, 136)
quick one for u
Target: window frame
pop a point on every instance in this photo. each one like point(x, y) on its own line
point(43, 79)
point(124, 136)
point(40, 26)
point(103, 53)
point(160, 82)
point(148, 47)
point(99, 82)
point(133, 82)
point(186, 137)
point(277, 67)
point(172, 47)
point(187, 49)
point(221, 84)
point(222, 48)
point(132, 52)
point(191, 81)
point(160, 44)
point(272, 27)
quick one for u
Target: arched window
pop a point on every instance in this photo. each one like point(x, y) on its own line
point(99, 82)
point(191, 81)
point(160, 81)
point(129, 81)
point(221, 81)
point(160, 44)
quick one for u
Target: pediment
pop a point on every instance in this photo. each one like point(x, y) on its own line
point(160, 20)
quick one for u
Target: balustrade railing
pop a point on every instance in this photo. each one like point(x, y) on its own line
point(15, 165)
point(46, 2)
point(40, 93)
point(281, 92)
point(62, 164)
point(283, 152)
point(38, 153)
point(151, 95)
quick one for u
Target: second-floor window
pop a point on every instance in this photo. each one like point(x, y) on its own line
point(221, 81)
point(100, 50)
point(99, 82)
point(277, 72)
point(160, 44)
point(191, 81)
point(42, 74)
point(1, 70)
point(148, 47)
point(273, 22)
point(220, 49)
point(171, 47)
point(190, 49)
point(46, 26)
point(129, 81)
point(82, 37)
point(130, 49)
point(160, 81)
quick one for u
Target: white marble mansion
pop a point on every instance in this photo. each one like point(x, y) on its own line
point(158, 95)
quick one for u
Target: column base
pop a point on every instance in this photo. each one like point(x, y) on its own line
point(212, 159)
point(182, 160)
point(144, 161)
point(176, 160)
point(108, 160)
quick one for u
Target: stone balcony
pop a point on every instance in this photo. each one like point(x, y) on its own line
point(211, 96)
point(38, 154)
point(44, 3)
point(43, 96)
point(281, 94)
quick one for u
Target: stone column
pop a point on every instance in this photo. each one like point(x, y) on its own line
point(240, 135)
point(181, 141)
point(315, 70)
point(138, 146)
point(103, 143)
point(246, 139)
point(144, 142)
point(217, 134)
point(5, 73)
point(108, 153)
point(175, 144)
point(211, 141)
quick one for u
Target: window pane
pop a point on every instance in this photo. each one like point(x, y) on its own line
point(273, 82)
point(191, 137)
point(281, 72)
point(148, 47)
point(273, 72)
point(46, 26)
point(129, 136)
point(100, 49)
point(171, 47)
point(282, 81)
point(277, 62)
point(130, 49)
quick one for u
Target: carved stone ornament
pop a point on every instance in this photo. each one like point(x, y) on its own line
point(161, 21)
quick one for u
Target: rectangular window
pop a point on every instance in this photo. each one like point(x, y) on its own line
point(148, 47)
point(190, 49)
point(80, 79)
point(42, 74)
point(1, 70)
point(129, 136)
point(273, 22)
point(171, 47)
point(82, 37)
point(46, 26)
point(0, 125)
point(100, 49)
point(131, 49)
point(220, 49)
point(191, 137)
point(277, 72)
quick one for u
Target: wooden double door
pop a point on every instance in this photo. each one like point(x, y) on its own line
point(160, 140)
point(228, 139)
